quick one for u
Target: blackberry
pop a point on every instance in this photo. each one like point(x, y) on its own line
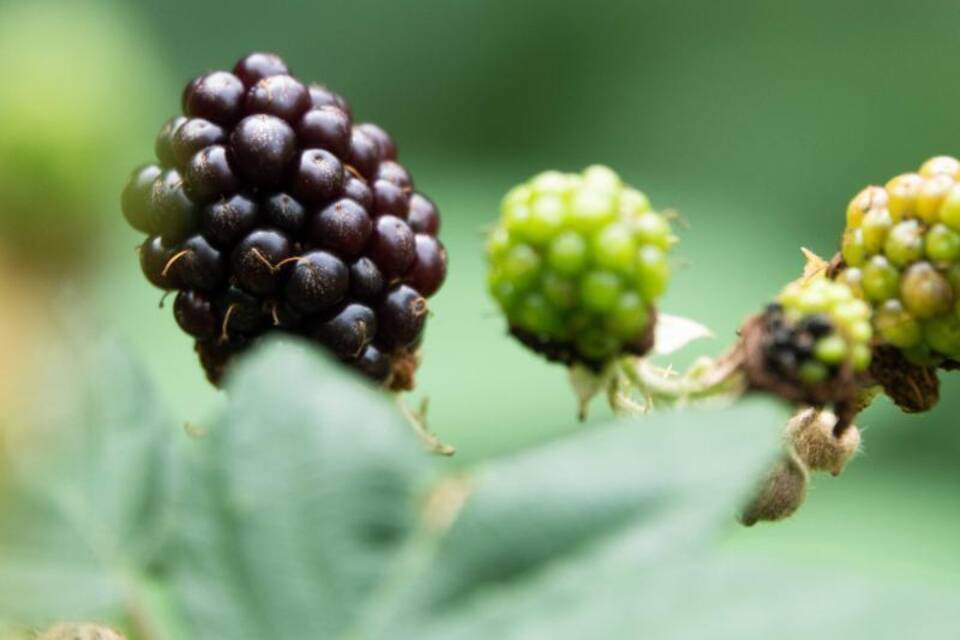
point(228, 220)
point(344, 227)
point(270, 211)
point(349, 331)
point(257, 66)
point(137, 196)
point(901, 247)
point(283, 212)
point(196, 315)
point(163, 145)
point(191, 137)
point(317, 281)
point(208, 175)
point(279, 95)
point(326, 128)
point(173, 214)
point(813, 345)
point(577, 264)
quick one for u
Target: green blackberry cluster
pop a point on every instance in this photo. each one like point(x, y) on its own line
point(577, 263)
point(901, 253)
point(816, 332)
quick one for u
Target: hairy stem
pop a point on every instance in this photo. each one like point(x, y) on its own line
point(706, 379)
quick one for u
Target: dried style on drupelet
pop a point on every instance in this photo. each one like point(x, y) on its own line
point(577, 264)
point(269, 209)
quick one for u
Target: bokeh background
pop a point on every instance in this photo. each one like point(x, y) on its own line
point(756, 121)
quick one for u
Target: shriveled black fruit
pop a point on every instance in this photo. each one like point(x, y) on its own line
point(270, 211)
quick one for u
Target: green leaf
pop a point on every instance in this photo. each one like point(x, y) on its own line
point(297, 513)
point(697, 597)
point(295, 503)
point(539, 530)
point(309, 510)
point(81, 492)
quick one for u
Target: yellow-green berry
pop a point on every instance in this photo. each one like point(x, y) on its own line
point(912, 278)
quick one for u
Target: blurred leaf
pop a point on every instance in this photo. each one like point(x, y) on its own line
point(299, 511)
point(548, 534)
point(56, 199)
point(697, 597)
point(295, 503)
point(733, 598)
point(310, 511)
point(81, 492)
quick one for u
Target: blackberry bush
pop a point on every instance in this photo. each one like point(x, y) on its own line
point(901, 253)
point(577, 264)
point(269, 209)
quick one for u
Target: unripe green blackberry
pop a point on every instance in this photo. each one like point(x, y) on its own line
point(577, 264)
point(817, 332)
point(901, 254)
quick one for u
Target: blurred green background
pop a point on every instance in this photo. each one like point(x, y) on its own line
point(756, 120)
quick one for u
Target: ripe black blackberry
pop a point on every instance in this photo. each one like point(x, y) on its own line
point(269, 210)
